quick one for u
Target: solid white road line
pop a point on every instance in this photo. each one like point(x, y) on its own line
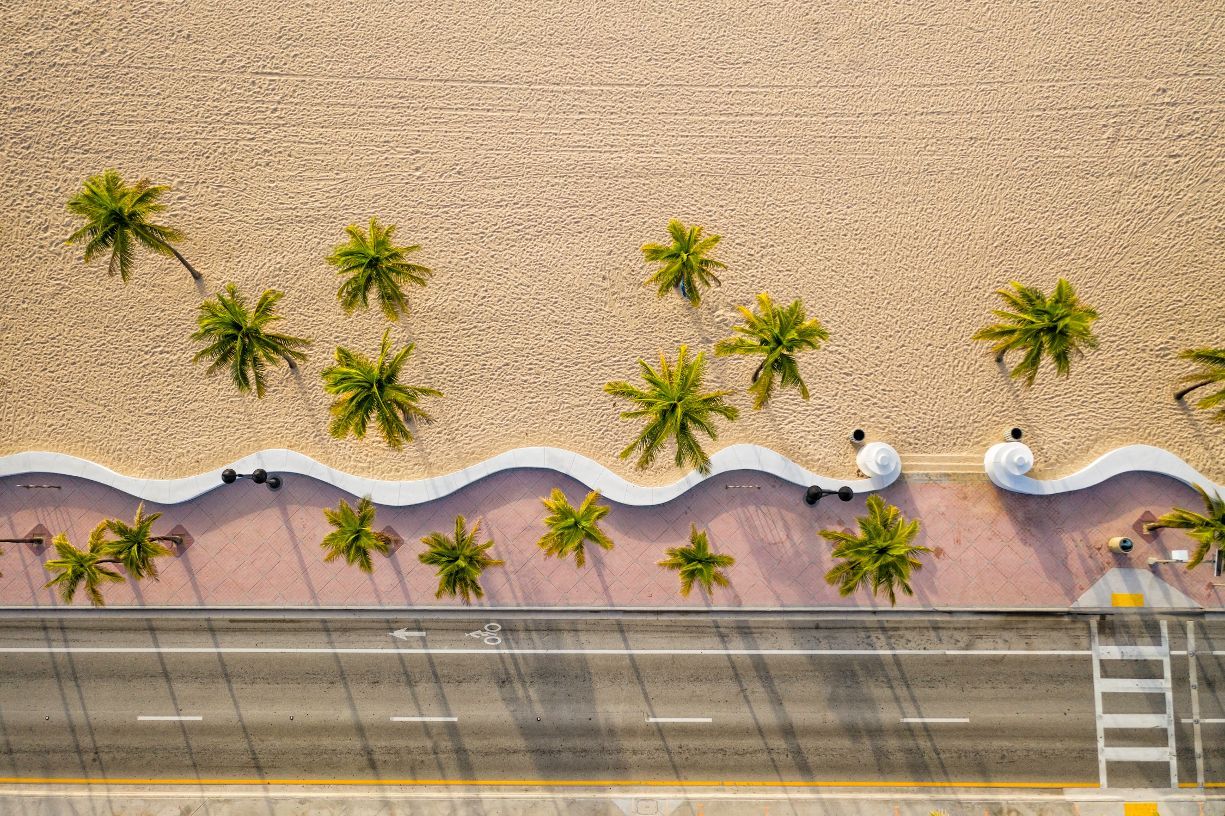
point(161, 718)
point(1191, 720)
point(935, 719)
point(490, 651)
point(924, 797)
point(679, 719)
point(425, 719)
point(1193, 679)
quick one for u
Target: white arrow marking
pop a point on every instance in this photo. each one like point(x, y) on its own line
point(405, 634)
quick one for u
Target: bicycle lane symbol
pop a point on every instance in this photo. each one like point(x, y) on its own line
point(489, 634)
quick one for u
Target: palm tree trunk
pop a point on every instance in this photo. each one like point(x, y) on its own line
point(760, 368)
point(38, 541)
point(999, 358)
point(1178, 396)
point(195, 275)
point(289, 362)
point(176, 540)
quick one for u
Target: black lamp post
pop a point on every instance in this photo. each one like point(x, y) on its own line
point(259, 476)
point(813, 494)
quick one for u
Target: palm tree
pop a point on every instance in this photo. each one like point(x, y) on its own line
point(460, 560)
point(117, 218)
point(134, 546)
point(570, 527)
point(1211, 372)
point(696, 563)
point(1056, 327)
point(372, 261)
point(683, 264)
point(777, 334)
point(366, 389)
point(77, 567)
point(239, 339)
point(880, 556)
point(1207, 531)
point(674, 406)
point(354, 537)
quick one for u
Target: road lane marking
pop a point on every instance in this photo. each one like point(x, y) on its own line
point(1192, 676)
point(935, 719)
point(556, 783)
point(167, 718)
point(527, 651)
point(425, 719)
point(1207, 721)
point(1167, 671)
point(1097, 702)
point(679, 719)
point(1183, 652)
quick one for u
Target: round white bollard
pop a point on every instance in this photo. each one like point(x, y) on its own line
point(877, 460)
point(1009, 459)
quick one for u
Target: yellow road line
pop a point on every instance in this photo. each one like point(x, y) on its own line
point(542, 783)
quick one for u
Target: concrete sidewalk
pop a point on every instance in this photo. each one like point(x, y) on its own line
point(488, 802)
point(252, 547)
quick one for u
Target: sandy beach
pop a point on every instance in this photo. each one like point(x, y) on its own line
point(890, 166)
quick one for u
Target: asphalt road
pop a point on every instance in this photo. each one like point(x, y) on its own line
point(633, 700)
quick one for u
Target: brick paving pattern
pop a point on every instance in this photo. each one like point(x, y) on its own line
point(253, 547)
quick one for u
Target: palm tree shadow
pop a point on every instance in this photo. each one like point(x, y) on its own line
point(791, 740)
point(642, 688)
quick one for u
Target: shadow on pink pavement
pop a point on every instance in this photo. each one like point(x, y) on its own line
point(254, 547)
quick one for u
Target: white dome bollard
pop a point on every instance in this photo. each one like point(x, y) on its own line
point(878, 460)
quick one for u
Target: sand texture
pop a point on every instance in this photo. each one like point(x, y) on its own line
point(892, 165)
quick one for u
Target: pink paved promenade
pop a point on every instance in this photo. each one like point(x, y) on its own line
point(252, 547)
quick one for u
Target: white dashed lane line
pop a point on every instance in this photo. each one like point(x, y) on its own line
point(167, 718)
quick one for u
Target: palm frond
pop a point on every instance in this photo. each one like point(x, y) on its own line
point(674, 407)
point(369, 390)
point(373, 264)
point(1058, 328)
point(74, 568)
point(117, 217)
point(697, 564)
point(1210, 371)
point(238, 339)
point(684, 264)
point(354, 537)
point(1207, 530)
point(570, 527)
point(460, 560)
point(133, 544)
point(881, 556)
point(777, 335)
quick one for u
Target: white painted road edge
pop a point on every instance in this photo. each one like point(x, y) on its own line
point(878, 461)
point(499, 651)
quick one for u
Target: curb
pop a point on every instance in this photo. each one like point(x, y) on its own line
point(593, 611)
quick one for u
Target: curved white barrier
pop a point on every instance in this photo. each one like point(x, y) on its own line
point(1007, 463)
point(879, 463)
